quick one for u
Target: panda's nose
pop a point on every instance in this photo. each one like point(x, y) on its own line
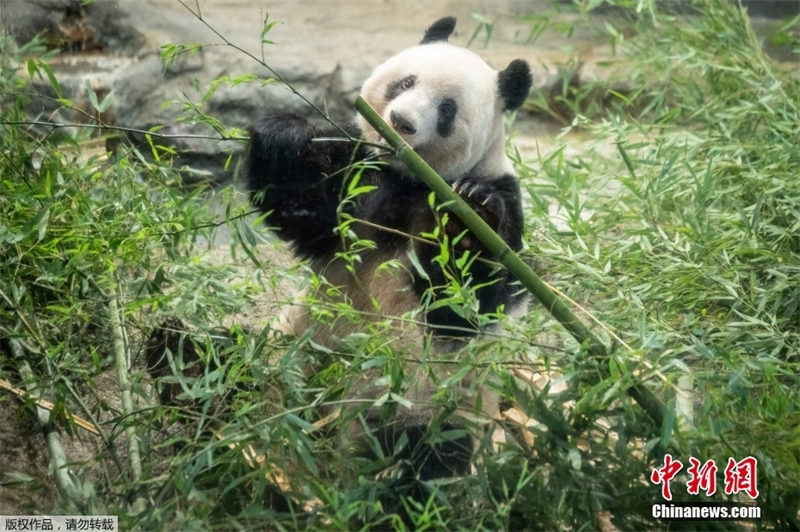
point(402, 124)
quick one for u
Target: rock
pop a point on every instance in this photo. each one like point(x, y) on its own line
point(772, 8)
point(324, 54)
point(324, 51)
point(71, 25)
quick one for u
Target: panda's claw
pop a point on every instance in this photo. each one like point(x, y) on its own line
point(493, 203)
point(483, 197)
point(464, 187)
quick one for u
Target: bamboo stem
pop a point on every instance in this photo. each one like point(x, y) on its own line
point(123, 366)
point(504, 254)
point(58, 456)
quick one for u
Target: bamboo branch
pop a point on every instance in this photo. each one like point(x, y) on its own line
point(504, 254)
point(47, 405)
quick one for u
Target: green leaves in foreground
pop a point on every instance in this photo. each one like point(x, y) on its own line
point(681, 239)
point(689, 241)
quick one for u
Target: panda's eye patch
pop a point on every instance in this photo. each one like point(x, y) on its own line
point(447, 109)
point(447, 113)
point(401, 85)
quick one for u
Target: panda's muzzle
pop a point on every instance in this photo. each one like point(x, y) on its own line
point(401, 124)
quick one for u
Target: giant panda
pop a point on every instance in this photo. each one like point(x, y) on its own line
point(448, 105)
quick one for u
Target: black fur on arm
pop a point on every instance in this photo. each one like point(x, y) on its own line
point(297, 181)
point(511, 227)
point(499, 202)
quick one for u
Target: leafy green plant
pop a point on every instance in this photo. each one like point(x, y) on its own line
point(682, 238)
point(483, 24)
point(674, 228)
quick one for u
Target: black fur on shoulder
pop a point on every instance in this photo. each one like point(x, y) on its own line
point(439, 31)
point(297, 180)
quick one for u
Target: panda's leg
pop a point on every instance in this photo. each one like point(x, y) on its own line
point(293, 320)
point(296, 176)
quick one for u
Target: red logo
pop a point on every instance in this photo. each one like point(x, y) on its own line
point(741, 476)
point(664, 474)
point(702, 477)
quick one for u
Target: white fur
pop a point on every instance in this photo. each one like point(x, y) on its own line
point(476, 145)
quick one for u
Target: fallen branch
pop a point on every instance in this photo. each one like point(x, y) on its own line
point(47, 405)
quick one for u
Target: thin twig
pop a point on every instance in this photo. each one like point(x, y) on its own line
point(47, 405)
point(56, 125)
point(277, 75)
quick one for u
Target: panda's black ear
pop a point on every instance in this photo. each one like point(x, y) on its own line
point(514, 84)
point(439, 30)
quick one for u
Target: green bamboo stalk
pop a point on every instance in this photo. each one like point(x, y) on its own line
point(503, 253)
point(122, 361)
point(58, 456)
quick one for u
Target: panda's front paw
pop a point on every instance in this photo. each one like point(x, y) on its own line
point(484, 198)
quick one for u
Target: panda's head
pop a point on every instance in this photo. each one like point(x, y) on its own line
point(447, 103)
